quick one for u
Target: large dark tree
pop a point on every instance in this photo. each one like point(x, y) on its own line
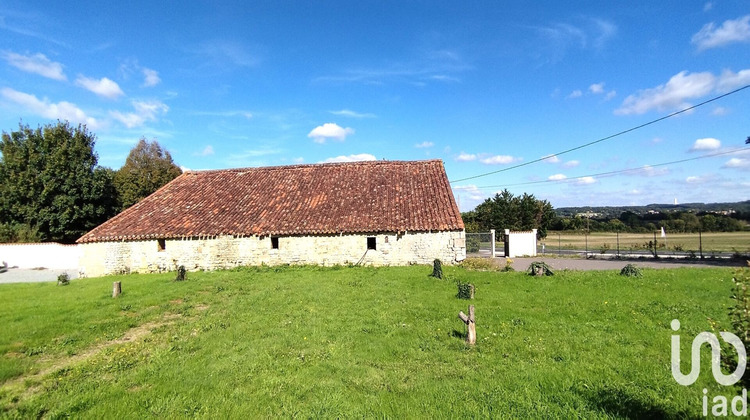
point(147, 168)
point(51, 188)
point(506, 211)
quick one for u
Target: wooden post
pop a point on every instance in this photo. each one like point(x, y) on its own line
point(116, 289)
point(471, 334)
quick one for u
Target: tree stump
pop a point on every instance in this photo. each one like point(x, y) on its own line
point(471, 331)
point(116, 289)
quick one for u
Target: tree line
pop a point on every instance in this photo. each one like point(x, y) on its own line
point(526, 212)
point(677, 222)
point(52, 188)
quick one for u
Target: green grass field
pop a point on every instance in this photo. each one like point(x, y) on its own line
point(356, 342)
point(716, 242)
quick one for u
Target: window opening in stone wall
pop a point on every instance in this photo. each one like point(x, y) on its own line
point(274, 242)
point(371, 242)
point(161, 244)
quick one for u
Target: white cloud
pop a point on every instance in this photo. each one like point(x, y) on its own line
point(571, 164)
point(650, 171)
point(102, 87)
point(328, 131)
point(37, 63)
point(680, 88)
point(672, 95)
point(610, 95)
point(498, 160)
point(468, 196)
point(710, 36)
point(150, 77)
point(737, 163)
point(298, 160)
point(705, 144)
point(730, 80)
point(597, 88)
point(466, 157)
point(350, 158)
point(551, 159)
point(708, 6)
point(693, 180)
point(575, 94)
point(424, 145)
point(144, 111)
point(352, 114)
point(207, 151)
point(54, 111)
point(586, 180)
point(557, 177)
point(720, 110)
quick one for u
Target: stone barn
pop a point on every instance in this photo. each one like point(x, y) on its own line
point(372, 213)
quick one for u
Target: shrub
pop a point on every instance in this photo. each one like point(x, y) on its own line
point(508, 265)
point(472, 244)
point(479, 264)
point(63, 279)
point(604, 248)
point(437, 269)
point(539, 268)
point(465, 290)
point(181, 273)
point(739, 313)
point(631, 271)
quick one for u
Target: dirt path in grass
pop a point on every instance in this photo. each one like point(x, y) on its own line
point(605, 264)
point(35, 379)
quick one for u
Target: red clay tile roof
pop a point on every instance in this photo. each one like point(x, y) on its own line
point(360, 197)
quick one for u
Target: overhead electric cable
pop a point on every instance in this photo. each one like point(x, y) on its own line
point(610, 173)
point(604, 138)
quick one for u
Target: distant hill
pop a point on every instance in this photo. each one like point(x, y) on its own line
point(609, 212)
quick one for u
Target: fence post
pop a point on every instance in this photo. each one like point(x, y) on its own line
point(700, 243)
point(492, 240)
point(618, 243)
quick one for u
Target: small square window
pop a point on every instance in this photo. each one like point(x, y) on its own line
point(161, 244)
point(371, 242)
point(274, 242)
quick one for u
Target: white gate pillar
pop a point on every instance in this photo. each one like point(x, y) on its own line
point(492, 241)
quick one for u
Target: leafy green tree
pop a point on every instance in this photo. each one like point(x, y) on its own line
point(51, 188)
point(147, 168)
point(506, 211)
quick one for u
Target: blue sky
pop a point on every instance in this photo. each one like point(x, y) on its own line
point(482, 85)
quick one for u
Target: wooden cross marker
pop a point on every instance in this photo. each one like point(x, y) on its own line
point(471, 335)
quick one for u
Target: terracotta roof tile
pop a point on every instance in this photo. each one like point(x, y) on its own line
point(360, 197)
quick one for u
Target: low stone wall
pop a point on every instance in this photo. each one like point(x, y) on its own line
point(103, 258)
point(48, 255)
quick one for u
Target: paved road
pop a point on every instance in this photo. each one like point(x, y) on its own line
point(22, 275)
point(606, 264)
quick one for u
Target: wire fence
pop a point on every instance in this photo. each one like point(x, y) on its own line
point(480, 244)
point(677, 245)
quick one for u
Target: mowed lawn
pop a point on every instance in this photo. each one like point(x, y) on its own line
point(356, 342)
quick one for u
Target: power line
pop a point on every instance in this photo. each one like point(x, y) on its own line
point(716, 98)
point(610, 173)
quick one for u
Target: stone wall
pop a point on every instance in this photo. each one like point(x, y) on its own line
point(102, 258)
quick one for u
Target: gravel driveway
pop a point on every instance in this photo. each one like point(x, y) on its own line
point(23, 275)
point(606, 264)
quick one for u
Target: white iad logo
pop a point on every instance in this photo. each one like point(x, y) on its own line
point(695, 364)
